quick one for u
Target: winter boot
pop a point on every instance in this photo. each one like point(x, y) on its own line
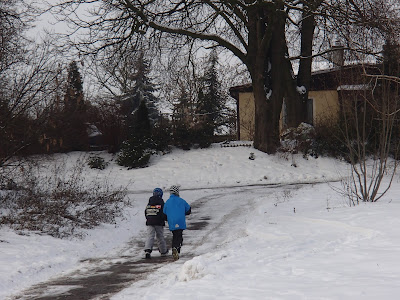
point(175, 253)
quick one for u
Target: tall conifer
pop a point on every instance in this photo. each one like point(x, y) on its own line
point(210, 101)
point(74, 131)
point(136, 150)
point(143, 90)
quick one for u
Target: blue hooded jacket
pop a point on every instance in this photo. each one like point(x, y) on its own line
point(176, 209)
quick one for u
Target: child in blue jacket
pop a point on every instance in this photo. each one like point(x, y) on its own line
point(176, 209)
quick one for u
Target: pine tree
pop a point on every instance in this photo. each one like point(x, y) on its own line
point(183, 121)
point(74, 131)
point(210, 102)
point(136, 150)
point(391, 60)
point(143, 90)
point(141, 125)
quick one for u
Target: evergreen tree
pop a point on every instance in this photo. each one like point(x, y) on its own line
point(183, 121)
point(74, 131)
point(143, 90)
point(140, 128)
point(136, 150)
point(389, 90)
point(210, 102)
point(391, 60)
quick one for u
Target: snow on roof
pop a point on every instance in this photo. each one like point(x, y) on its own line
point(353, 87)
point(93, 130)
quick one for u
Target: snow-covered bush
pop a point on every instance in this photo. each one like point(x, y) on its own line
point(322, 140)
point(299, 139)
point(60, 203)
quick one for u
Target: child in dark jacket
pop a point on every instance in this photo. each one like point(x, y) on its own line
point(155, 221)
point(176, 209)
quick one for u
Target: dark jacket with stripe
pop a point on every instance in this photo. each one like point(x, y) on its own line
point(154, 211)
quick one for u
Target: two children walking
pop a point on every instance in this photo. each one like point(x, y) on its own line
point(174, 211)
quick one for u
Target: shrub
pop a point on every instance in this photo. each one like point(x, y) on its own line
point(182, 136)
point(322, 140)
point(328, 141)
point(161, 137)
point(299, 139)
point(203, 135)
point(58, 204)
point(97, 162)
point(134, 154)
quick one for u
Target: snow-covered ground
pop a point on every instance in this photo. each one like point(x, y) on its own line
point(268, 237)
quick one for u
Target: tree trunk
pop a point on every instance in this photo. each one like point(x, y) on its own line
point(266, 28)
point(272, 74)
point(304, 74)
point(266, 136)
point(295, 107)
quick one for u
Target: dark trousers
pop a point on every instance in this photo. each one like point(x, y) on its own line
point(177, 239)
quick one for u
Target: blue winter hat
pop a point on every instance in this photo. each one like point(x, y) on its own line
point(158, 192)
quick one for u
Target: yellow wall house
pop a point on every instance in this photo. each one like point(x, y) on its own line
point(329, 88)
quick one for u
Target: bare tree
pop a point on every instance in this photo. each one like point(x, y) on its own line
point(254, 31)
point(371, 120)
point(115, 71)
point(26, 75)
point(26, 86)
point(371, 115)
point(371, 129)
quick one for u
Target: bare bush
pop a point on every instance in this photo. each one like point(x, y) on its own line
point(370, 137)
point(58, 203)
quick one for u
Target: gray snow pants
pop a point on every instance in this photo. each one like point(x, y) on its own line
point(159, 232)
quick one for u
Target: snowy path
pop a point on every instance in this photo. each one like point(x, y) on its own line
point(242, 243)
point(283, 243)
point(99, 278)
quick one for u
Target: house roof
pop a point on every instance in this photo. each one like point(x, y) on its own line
point(350, 76)
point(245, 88)
point(338, 78)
